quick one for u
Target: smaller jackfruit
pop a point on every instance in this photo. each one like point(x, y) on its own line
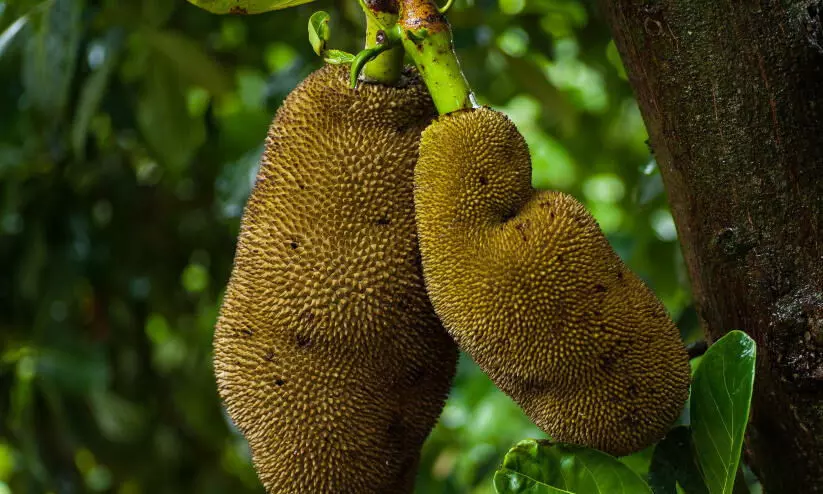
point(528, 285)
point(328, 354)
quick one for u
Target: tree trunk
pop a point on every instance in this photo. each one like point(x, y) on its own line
point(732, 95)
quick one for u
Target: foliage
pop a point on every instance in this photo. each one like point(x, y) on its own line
point(129, 140)
point(720, 397)
point(720, 401)
point(542, 467)
point(243, 7)
point(673, 463)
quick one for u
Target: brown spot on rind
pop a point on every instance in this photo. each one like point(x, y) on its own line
point(417, 16)
point(521, 229)
point(396, 429)
point(308, 317)
point(386, 6)
point(380, 37)
point(302, 340)
point(607, 361)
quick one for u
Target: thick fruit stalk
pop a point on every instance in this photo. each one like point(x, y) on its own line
point(427, 38)
point(527, 284)
point(328, 354)
point(387, 67)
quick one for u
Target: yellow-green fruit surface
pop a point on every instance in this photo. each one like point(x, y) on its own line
point(528, 285)
point(327, 352)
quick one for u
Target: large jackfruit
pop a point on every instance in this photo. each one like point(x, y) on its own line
point(327, 352)
point(528, 285)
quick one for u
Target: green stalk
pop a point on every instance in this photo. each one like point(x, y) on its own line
point(387, 66)
point(427, 38)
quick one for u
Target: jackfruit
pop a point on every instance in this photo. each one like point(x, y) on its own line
point(528, 285)
point(327, 352)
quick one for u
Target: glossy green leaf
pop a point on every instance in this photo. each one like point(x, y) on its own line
point(319, 31)
point(534, 466)
point(510, 481)
point(673, 463)
point(245, 7)
point(122, 224)
point(720, 400)
point(639, 461)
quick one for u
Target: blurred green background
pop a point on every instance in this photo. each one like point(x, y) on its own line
point(129, 138)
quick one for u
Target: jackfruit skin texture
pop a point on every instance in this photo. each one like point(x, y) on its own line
point(528, 285)
point(327, 352)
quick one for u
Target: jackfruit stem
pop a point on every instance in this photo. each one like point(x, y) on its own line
point(427, 38)
point(386, 67)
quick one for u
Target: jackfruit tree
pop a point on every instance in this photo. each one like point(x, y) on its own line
point(596, 361)
point(524, 281)
point(315, 373)
point(392, 213)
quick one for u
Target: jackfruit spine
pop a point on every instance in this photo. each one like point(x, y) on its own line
point(525, 281)
point(327, 352)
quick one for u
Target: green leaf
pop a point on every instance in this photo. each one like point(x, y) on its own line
point(244, 7)
point(319, 31)
point(673, 463)
point(190, 60)
point(534, 466)
point(51, 56)
point(319, 34)
point(337, 57)
point(509, 481)
point(639, 461)
point(720, 400)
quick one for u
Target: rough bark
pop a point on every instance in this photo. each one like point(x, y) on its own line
point(732, 95)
